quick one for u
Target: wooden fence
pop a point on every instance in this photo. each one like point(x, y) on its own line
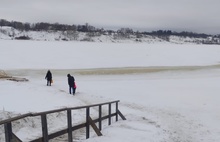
point(11, 137)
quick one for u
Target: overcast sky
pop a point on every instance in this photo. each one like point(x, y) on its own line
point(201, 16)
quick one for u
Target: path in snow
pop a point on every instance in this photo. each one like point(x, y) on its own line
point(167, 124)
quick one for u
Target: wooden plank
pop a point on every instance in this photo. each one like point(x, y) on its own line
point(60, 133)
point(79, 126)
point(45, 137)
point(69, 123)
point(48, 112)
point(116, 107)
point(51, 111)
point(100, 117)
point(9, 135)
point(87, 122)
point(8, 132)
point(44, 127)
point(109, 114)
point(15, 138)
point(37, 140)
point(57, 134)
point(98, 132)
point(51, 136)
point(120, 114)
point(81, 107)
point(72, 108)
point(15, 118)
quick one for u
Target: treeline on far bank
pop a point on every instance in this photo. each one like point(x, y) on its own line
point(43, 26)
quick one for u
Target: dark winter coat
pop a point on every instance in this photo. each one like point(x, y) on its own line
point(71, 80)
point(48, 76)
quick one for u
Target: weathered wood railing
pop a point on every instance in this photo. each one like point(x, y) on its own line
point(11, 137)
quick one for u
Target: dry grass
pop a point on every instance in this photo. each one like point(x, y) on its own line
point(3, 74)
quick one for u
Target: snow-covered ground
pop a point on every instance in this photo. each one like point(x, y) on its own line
point(167, 92)
point(9, 33)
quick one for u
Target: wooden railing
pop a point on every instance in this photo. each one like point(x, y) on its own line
point(11, 137)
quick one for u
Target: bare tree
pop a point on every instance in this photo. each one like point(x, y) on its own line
point(72, 35)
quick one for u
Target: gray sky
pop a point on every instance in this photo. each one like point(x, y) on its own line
point(200, 16)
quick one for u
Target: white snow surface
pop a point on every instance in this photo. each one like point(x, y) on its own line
point(171, 95)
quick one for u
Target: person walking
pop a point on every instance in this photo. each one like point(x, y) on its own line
point(71, 82)
point(48, 77)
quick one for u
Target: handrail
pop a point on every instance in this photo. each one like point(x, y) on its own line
point(11, 137)
point(51, 111)
point(15, 118)
point(72, 108)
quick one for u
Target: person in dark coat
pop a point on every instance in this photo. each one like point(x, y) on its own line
point(48, 77)
point(71, 82)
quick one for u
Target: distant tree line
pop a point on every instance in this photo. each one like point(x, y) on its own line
point(43, 26)
point(183, 33)
point(92, 31)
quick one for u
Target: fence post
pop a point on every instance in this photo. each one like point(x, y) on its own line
point(109, 113)
point(8, 132)
point(44, 127)
point(87, 122)
point(100, 117)
point(116, 111)
point(11, 137)
point(69, 123)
